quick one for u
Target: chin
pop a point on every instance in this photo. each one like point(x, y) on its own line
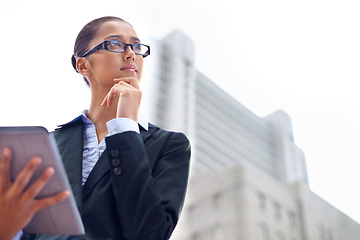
point(129, 74)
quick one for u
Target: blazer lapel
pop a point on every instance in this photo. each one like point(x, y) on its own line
point(100, 169)
point(69, 139)
point(146, 134)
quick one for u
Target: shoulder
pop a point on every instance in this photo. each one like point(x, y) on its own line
point(171, 139)
point(72, 128)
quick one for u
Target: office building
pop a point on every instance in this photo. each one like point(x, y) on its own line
point(248, 178)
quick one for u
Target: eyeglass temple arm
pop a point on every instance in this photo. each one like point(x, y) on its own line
point(95, 49)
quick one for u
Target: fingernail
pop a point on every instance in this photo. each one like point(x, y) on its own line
point(50, 171)
point(36, 160)
point(65, 195)
point(6, 151)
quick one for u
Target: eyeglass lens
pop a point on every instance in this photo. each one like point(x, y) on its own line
point(118, 46)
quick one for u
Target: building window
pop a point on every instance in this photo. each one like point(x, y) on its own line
point(329, 235)
point(321, 232)
point(218, 233)
point(277, 210)
point(216, 200)
point(187, 66)
point(261, 201)
point(279, 236)
point(190, 212)
point(292, 218)
point(196, 236)
point(263, 231)
point(324, 234)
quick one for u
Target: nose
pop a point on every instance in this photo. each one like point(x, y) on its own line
point(129, 53)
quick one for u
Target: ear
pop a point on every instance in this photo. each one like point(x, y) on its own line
point(83, 66)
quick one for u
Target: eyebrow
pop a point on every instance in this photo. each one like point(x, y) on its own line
point(121, 37)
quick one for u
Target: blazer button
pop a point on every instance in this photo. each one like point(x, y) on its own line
point(115, 162)
point(117, 171)
point(114, 152)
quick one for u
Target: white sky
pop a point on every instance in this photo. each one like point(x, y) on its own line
point(299, 56)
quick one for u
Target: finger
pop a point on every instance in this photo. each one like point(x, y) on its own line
point(114, 92)
point(129, 80)
point(5, 169)
point(48, 201)
point(25, 175)
point(123, 79)
point(36, 187)
point(124, 87)
point(105, 101)
point(5, 162)
point(109, 98)
point(120, 87)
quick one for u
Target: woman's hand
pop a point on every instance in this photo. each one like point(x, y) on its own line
point(17, 204)
point(128, 93)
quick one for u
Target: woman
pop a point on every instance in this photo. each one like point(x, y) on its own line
point(128, 176)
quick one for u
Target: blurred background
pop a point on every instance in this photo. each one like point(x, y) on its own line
point(298, 56)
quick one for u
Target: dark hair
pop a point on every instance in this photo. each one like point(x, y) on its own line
point(88, 33)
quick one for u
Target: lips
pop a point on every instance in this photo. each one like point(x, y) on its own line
point(129, 67)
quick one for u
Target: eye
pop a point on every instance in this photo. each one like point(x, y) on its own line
point(115, 45)
point(137, 46)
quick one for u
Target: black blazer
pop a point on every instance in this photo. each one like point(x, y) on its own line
point(137, 187)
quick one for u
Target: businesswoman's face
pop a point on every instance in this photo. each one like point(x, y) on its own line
point(102, 66)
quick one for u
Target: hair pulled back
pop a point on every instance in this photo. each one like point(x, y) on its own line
point(86, 35)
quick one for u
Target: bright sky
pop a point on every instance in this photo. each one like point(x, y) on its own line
point(299, 56)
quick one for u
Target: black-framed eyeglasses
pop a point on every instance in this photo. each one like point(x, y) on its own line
point(118, 46)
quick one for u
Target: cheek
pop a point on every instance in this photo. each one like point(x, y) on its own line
point(107, 66)
point(111, 61)
point(104, 71)
point(140, 68)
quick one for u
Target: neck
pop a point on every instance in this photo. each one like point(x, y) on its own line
point(100, 115)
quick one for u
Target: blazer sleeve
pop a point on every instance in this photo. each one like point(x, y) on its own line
point(148, 193)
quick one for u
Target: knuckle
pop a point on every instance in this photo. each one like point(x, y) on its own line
point(32, 192)
point(21, 182)
point(4, 173)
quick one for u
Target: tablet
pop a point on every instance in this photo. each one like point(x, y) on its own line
point(25, 142)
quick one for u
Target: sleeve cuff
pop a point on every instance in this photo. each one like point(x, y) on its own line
point(120, 125)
